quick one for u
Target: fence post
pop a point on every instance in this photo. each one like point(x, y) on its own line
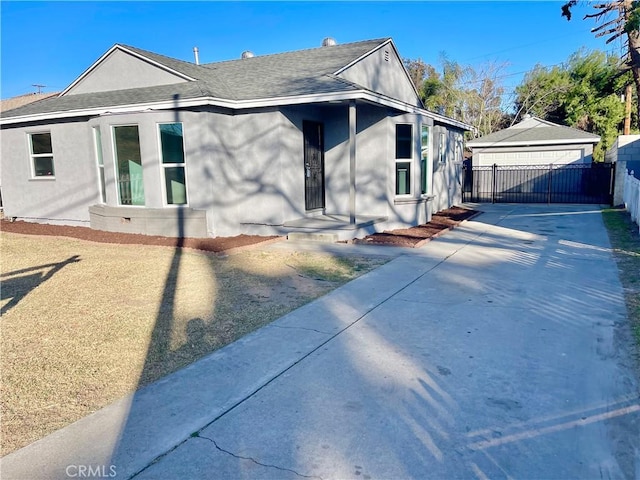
point(465, 174)
point(494, 171)
point(612, 183)
point(549, 183)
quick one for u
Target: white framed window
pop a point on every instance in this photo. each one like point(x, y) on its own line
point(404, 154)
point(442, 148)
point(458, 154)
point(126, 143)
point(41, 152)
point(425, 153)
point(172, 160)
point(97, 145)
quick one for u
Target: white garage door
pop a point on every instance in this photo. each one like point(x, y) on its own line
point(532, 157)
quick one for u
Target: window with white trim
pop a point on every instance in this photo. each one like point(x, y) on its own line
point(128, 165)
point(442, 148)
point(173, 163)
point(41, 151)
point(97, 145)
point(404, 151)
point(425, 133)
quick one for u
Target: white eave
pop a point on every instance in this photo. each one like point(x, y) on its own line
point(363, 95)
point(533, 143)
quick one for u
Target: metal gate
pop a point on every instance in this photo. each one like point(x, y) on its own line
point(573, 183)
point(313, 133)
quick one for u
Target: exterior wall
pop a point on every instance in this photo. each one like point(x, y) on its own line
point(625, 153)
point(119, 71)
point(244, 172)
point(62, 199)
point(373, 152)
point(167, 222)
point(447, 174)
point(382, 71)
point(626, 149)
point(543, 155)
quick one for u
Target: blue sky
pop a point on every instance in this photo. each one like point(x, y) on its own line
point(51, 43)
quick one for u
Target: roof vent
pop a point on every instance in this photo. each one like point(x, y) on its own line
point(247, 54)
point(329, 42)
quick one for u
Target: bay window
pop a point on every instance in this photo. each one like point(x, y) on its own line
point(128, 165)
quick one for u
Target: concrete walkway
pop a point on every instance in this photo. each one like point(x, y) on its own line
point(499, 350)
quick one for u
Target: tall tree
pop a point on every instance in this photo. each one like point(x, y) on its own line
point(583, 93)
point(542, 94)
point(482, 96)
point(472, 95)
point(625, 23)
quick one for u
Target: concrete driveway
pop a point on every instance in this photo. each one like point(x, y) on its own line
point(500, 350)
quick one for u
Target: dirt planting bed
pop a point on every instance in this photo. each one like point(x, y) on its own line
point(415, 237)
point(215, 245)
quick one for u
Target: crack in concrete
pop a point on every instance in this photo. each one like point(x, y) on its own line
point(240, 457)
point(303, 328)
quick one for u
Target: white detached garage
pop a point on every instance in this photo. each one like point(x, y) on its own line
point(534, 141)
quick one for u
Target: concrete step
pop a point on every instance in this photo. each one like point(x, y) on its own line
point(313, 237)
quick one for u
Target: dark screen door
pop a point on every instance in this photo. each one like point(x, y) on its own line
point(313, 165)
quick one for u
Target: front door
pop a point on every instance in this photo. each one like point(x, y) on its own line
point(313, 165)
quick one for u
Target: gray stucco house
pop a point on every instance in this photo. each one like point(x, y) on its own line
point(534, 141)
point(327, 140)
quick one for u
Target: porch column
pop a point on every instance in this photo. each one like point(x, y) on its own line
point(352, 162)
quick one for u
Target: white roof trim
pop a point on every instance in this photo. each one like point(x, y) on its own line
point(364, 95)
point(130, 52)
point(572, 141)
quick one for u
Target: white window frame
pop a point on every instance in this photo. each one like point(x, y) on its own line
point(409, 161)
point(442, 148)
point(97, 146)
point(428, 167)
point(164, 166)
point(458, 156)
point(33, 156)
point(116, 170)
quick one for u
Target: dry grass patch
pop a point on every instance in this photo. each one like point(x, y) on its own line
point(84, 323)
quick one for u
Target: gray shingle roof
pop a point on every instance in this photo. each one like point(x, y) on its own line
point(298, 73)
point(548, 132)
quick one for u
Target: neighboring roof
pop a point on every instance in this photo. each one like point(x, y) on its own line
point(302, 76)
point(15, 102)
point(534, 131)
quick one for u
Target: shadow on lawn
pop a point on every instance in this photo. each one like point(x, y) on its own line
point(18, 284)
